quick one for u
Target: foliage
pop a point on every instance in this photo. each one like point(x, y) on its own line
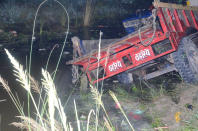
point(156, 122)
point(191, 124)
point(14, 11)
point(10, 13)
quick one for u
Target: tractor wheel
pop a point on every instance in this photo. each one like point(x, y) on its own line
point(63, 82)
point(186, 58)
point(84, 83)
point(125, 78)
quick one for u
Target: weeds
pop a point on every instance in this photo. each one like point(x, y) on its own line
point(49, 105)
point(47, 120)
point(157, 122)
point(191, 124)
point(53, 101)
point(117, 102)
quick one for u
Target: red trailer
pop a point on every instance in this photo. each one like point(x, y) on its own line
point(169, 43)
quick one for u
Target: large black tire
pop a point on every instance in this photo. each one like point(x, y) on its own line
point(186, 58)
point(63, 82)
point(125, 78)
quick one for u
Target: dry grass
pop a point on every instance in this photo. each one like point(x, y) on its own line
point(29, 84)
point(53, 101)
point(46, 121)
point(11, 94)
point(88, 119)
point(51, 104)
point(28, 123)
point(22, 78)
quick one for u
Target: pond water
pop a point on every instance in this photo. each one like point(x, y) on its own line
point(39, 59)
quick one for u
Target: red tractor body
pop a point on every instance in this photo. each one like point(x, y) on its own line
point(141, 48)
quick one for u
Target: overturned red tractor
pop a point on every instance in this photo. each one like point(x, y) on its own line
point(170, 43)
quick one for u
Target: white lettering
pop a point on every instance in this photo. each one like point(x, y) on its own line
point(142, 54)
point(115, 66)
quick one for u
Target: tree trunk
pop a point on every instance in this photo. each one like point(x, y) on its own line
point(88, 12)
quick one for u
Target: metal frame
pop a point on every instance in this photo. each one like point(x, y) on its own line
point(174, 22)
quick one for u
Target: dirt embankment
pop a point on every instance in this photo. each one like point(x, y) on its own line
point(180, 115)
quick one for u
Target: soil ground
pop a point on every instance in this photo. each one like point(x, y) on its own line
point(160, 113)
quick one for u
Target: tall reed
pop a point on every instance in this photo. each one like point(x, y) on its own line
point(46, 122)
